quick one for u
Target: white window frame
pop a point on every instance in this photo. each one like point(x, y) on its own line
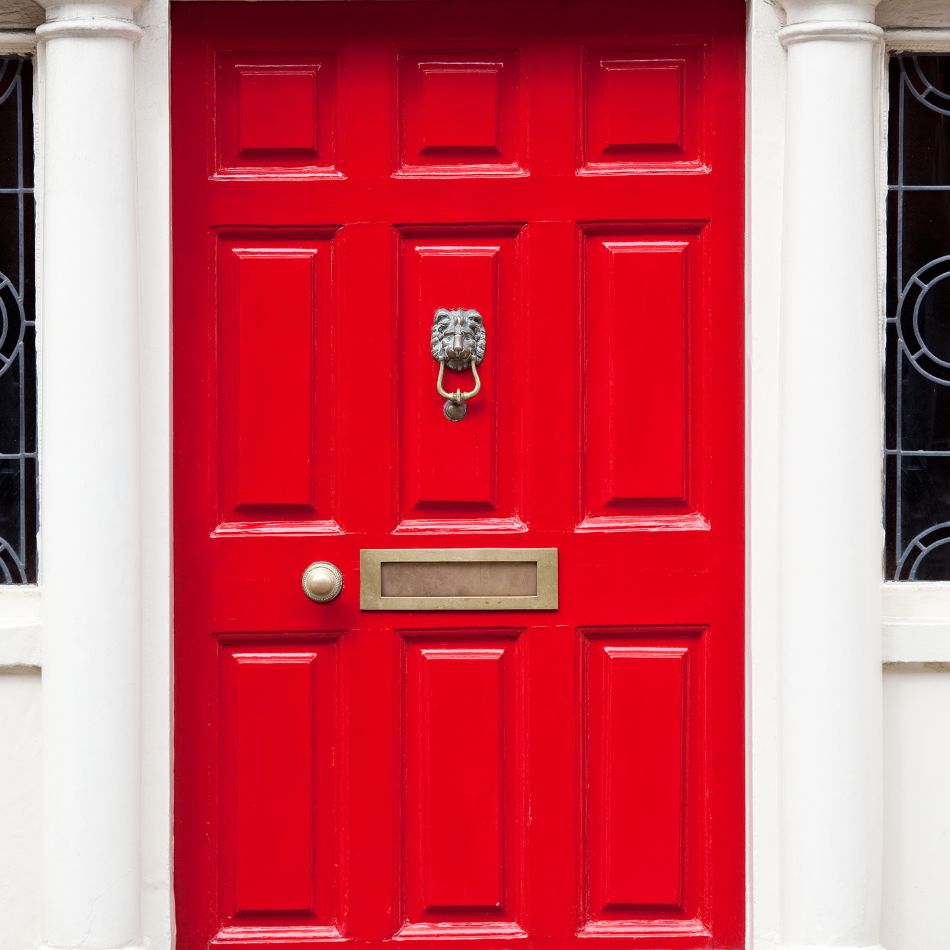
point(20, 642)
point(915, 614)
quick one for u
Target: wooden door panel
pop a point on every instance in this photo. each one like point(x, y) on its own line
point(643, 737)
point(643, 107)
point(464, 801)
point(342, 170)
point(642, 297)
point(275, 114)
point(275, 362)
point(463, 477)
point(459, 112)
point(278, 740)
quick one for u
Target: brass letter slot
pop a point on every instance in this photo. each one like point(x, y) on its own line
point(459, 579)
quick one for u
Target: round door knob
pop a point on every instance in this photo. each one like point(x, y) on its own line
point(322, 581)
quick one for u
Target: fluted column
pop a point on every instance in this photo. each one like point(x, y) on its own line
point(90, 477)
point(830, 508)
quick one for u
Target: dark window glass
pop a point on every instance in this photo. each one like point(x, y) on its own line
point(18, 476)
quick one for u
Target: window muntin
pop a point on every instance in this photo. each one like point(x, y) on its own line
point(18, 436)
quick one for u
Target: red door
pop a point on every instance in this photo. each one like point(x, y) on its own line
point(573, 172)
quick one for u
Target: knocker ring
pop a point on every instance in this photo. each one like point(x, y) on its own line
point(458, 340)
point(454, 408)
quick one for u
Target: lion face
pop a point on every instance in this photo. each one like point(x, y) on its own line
point(458, 337)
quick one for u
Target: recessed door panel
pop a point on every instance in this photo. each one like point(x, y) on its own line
point(278, 803)
point(275, 377)
point(464, 804)
point(643, 107)
point(641, 340)
point(276, 113)
point(466, 474)
point(458, 486)
point(643, 753)
point(459, 111)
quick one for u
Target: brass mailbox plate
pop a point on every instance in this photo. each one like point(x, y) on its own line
point(458, 579)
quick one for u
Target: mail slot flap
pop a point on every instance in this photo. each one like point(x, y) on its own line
point(458, 579)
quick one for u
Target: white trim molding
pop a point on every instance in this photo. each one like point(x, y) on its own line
point(91, 600)
point(918, 40)
point(830, 677)
point(916, 622)
point(17, 41)
point(20, 647)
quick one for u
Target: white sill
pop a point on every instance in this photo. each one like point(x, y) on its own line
point(20, 644)
point(916, 622)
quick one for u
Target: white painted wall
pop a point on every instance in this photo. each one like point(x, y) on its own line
point(917, 820)
point(21, 844)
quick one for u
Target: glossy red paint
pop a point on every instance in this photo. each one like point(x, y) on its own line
point(575, 172)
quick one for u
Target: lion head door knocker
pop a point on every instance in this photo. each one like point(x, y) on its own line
point(458, 341)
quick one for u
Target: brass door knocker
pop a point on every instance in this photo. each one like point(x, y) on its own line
point(458, 341)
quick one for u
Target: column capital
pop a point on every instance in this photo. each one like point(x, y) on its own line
point(97, 18)
point(846, 30)
point(841, 11)
point(830, 20)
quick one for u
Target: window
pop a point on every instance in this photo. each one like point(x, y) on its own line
point(917, 358)
point(18, 464)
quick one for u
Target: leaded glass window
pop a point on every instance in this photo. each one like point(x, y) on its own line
point(18, 485)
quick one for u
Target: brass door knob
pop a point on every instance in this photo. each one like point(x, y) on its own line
point(322, 581)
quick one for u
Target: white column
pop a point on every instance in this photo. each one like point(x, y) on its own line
point(90, 478)
point(830, 503)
